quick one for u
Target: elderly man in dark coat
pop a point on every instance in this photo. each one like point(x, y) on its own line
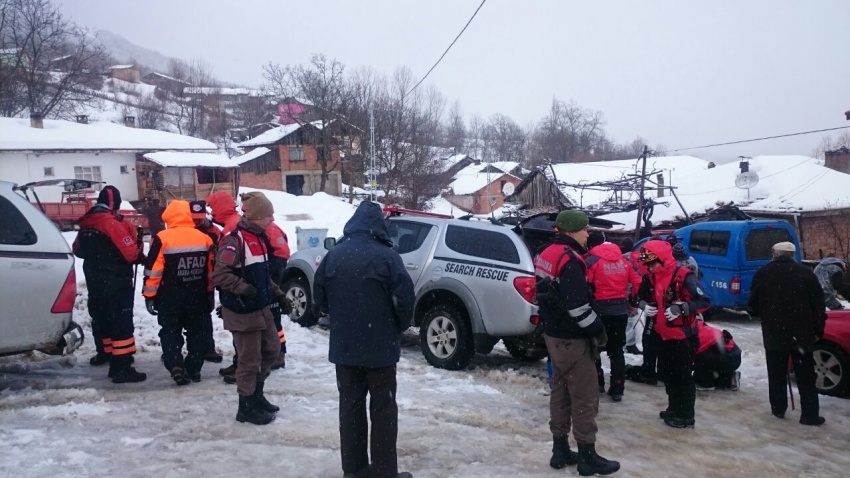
point(788, 299)
point(363, 286)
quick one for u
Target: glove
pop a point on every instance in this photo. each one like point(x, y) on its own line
point(673, 312)
point(650, 310)
point(218, 312)
point(602, 338)
point(250, 292)
point(149, 304)
point(285, 305)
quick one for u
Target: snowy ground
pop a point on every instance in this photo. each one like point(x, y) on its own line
point(61, 417)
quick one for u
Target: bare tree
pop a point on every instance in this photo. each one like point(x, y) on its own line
point(33, 33)
point(569, 133)
point(505, 139)
point(150, 112)
point(191, 104)
point(831, 143)
point(321, 84)
point(456, 129)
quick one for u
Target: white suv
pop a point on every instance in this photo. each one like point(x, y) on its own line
point(38, 284)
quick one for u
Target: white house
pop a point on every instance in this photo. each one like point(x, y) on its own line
point(105, 152)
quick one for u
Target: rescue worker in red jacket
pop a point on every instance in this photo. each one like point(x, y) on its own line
point(107, 244)
point(609, 276)
point(245, 291)
point(717, 360)
point(280, 255)
point(178, 287)
point(572, 332)
point(203, 224)
point(672, 295)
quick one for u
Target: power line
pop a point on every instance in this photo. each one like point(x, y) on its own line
point(447, 49)
point(757, 139)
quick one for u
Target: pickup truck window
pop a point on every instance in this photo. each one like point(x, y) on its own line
point(480, 243)
point(14, 228)
point(715, 243)
point(407, 236)
point(759, 242)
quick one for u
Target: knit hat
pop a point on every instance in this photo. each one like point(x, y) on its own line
point(679, 252)
point(571, 220)
point(198, 209)
point(110, 197)
point(784, 247)
point(256, 205)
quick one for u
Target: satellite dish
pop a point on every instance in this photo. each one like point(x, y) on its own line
point(508, 189)
point(747, 180)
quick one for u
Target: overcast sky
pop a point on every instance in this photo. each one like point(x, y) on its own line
point(678, 73)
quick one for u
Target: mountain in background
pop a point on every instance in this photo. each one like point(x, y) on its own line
point(125, 51)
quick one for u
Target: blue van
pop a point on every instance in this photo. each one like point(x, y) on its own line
point(730, 252)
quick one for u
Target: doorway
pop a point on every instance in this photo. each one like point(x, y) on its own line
point(295, 184)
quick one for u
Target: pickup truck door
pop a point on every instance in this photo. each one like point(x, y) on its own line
point(413, 241)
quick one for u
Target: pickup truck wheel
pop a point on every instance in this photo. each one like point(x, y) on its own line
point(832, 369)
point(298, 292)
point(524, 354)
point(446, 337)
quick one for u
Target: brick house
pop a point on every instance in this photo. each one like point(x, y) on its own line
point(479, 188)
point(124, 72)
point(165, 82)
point(838, 160)
point(286, 158)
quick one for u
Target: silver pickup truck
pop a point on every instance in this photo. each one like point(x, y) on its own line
point(474, 283)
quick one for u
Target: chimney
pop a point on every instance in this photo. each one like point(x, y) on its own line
point(847, 115)
point(659, 178)
point(744, 164)
point(711, 165)
point(82, 119)
point(36, 120)
point(130, 121)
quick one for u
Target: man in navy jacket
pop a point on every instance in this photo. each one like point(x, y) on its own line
point(363, 286)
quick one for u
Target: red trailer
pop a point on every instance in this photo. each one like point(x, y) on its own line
point(77, 198)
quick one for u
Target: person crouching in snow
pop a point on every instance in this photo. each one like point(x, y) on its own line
point(178, 290)
point(242, 274)
point(717, 360)
point(673, 295)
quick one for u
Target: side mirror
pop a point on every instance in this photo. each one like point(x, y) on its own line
point(330, 242)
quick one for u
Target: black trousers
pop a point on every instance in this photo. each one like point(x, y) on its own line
point(777, 381)
point(675, 368)
point(714, 368)
point(615, 329)
point(353, 384)
point(112, 323)
point(650, 343)
point(172, 325)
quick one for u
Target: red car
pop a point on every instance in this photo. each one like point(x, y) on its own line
point(832, 354)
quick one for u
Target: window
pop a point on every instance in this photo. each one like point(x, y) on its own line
point(91, 173)
point(48, 171)
point(14, 228)
point(759, 242)
point(715, 243)
point(213, 175)
point(179, 177)
point(296, 153)
point(482, 243)
point(124, 170)
point(407, 236)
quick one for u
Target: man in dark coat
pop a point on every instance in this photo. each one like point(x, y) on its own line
point(788, 299)
point(363, 285)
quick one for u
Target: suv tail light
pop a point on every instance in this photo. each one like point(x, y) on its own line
point(527, 288)
point(735, 285)
point(65, 301)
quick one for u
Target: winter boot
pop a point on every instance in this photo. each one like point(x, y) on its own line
point(99, 359)
point(196, 377)
point(632, 349)
point(213, 356)
point(561, 453)
point(252, 412)
point(616, 390)
point(120, 370)
point(179, 376)
point(589, 463)
point(676, 422)
point(262, 401)
point(228, 374)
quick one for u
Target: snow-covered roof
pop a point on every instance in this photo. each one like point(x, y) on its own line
point(786, 184)
point(253, 154)
point(120, 67)
point(155, 73)
point(215, 90)
point(673, 168)
point(60, 135)
point(274, 135)
point(504, 166)
point(471, 179)
point(178, 159)
point(448, 162)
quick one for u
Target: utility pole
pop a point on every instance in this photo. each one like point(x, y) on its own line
point(642, 183)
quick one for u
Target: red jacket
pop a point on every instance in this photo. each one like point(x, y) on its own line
point(223, 210)
point(710, 337)
point(278, 240)
point(609, 276)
